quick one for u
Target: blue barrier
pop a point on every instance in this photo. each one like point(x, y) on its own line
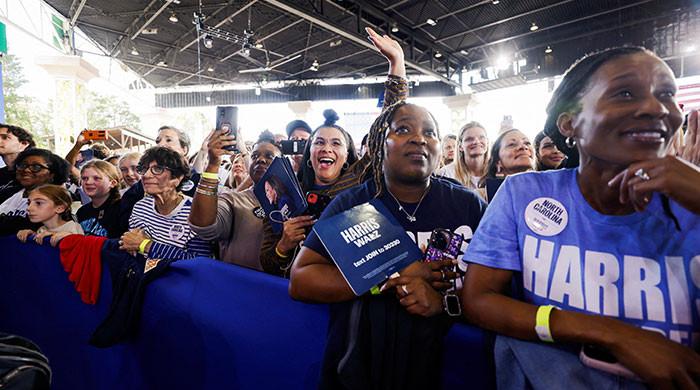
point(205, 325)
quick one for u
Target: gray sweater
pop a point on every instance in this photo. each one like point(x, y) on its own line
point(237, 230)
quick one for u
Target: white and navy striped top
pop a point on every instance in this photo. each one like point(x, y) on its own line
point(171, 234)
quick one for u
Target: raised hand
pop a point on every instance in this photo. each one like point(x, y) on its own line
point(390, 49)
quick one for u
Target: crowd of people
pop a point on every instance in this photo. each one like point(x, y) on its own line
point(599, 218)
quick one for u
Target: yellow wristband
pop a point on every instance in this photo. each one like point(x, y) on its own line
point(279, 253)
point(210, 175)
point(542, 323)
point(142, 246)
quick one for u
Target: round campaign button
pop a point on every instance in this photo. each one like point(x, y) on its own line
point(187, 185)
point(176, 232)
point(546, 216)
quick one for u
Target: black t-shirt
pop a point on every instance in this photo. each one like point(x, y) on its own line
point(373, 342)
point(102, 221)
point(8, 183)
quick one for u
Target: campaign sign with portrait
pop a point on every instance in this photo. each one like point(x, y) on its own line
point(279, 193)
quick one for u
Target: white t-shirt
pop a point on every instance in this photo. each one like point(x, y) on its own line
point(450, 170)
point(16, 205)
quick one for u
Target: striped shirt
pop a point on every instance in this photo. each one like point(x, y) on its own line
point(171, 234)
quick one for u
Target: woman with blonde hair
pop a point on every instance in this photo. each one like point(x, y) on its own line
point(472, 156)
point(100, 181)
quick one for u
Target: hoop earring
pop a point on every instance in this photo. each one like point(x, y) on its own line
point(570, 142)
point(308, 164)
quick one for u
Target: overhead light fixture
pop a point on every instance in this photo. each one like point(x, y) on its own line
point(431, 21)
point(394, 28)
point(416, 83)
point(534, 27)
point(259, 45)
point(210, 69)
point(134, 52)
point(258, 91)
point(208, 41)
point(162, 63)
point(173, 18)
point(464, 52)
point(438, 54)
point(690, 48)
point(548, 50)
point(494, 2)
point(208, 98)
point(335, 43)
point(314, 66)
point(245, 49)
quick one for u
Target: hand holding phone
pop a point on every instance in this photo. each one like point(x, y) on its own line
point(227, 120)
point(94, 135)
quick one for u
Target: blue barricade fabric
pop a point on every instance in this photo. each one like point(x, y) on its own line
point(204, 325)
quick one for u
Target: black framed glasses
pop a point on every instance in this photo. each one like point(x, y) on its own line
point(34, 168)
point(157, 170)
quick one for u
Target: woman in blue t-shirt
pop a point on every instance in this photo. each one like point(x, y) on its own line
point(612, 243)
point(393, 339)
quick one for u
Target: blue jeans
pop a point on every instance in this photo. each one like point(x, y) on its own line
point(535, 365)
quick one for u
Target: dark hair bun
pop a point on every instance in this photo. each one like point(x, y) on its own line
point(331, 117)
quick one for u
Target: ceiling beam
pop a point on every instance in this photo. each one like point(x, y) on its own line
point(272, 34)
point(78, 10)
point(169, 69)
point(151, 19)
point(501, 21)
point(329, 26)
point(542, 29)
point(131, 26)
point(455, 12)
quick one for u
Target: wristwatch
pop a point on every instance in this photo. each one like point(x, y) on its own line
point(451, 304)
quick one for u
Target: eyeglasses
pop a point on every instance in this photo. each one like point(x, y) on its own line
point(34, 168)
point(155, 169)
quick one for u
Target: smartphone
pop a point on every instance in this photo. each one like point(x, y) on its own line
point(227, 119)
point(316, 204)
point(599, 358)
point(94, 135)
point(295, 146)
point(443, 244)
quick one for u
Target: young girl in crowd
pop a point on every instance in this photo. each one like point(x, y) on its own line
point(472, 157)
point(128, 164)
point(49, 205)
point(100, 182)
point(612, 243)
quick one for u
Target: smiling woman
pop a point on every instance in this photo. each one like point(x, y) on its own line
point(34, 167)
point(610, 243)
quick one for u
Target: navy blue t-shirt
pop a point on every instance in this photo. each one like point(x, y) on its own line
point(446, 206)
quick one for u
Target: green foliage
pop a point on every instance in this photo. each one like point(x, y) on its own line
point(105, 111)
point(21, 110)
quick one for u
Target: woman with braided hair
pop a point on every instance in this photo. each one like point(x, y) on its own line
point(408, 319)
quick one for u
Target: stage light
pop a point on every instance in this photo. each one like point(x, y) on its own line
point(502, 63)
point(259, 45)
point(394, 28)
point(534, 27)
point(548, 50)
point(431, 22)
point(314, 66)
point(134, 52)
point(208, 41)
point(173, 18)
point(438, 54)
point(162, 63)
point(210, 69)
